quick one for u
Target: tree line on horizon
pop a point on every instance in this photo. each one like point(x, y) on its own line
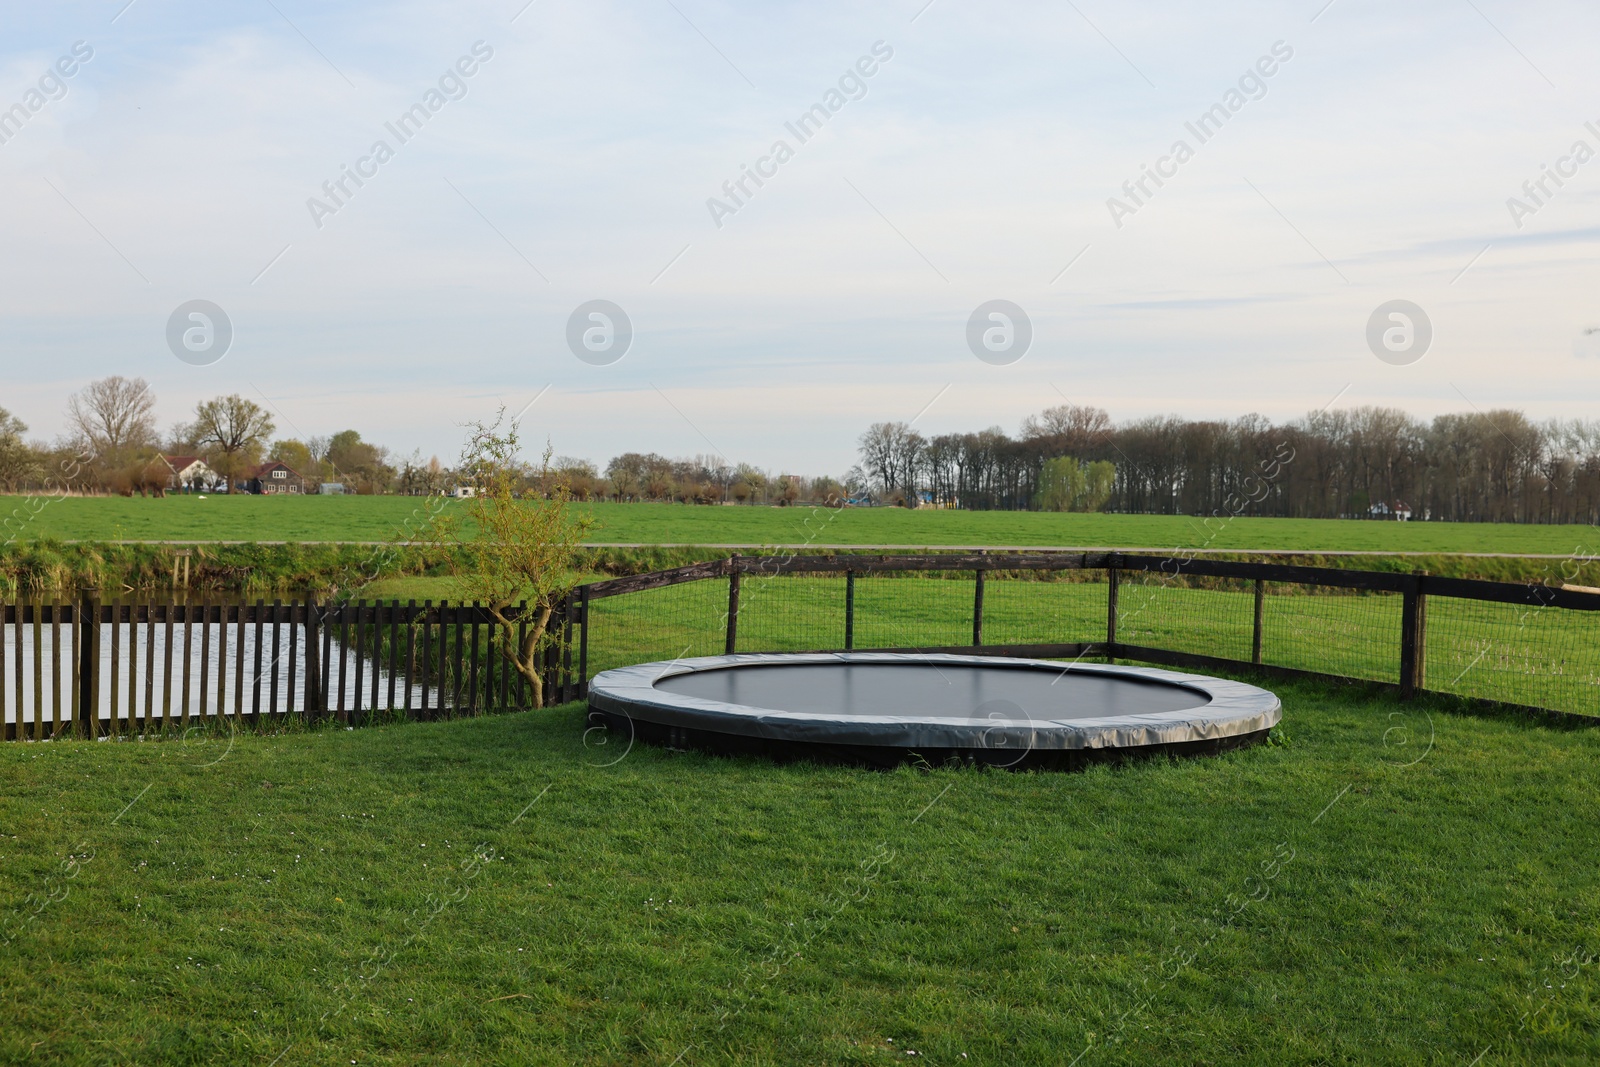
point(1366, 462)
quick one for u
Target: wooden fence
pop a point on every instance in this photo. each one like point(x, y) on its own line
point(93, 668)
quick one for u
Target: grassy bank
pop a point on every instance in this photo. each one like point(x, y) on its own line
point(47, 568)
point(313, 897)
point(245, 518)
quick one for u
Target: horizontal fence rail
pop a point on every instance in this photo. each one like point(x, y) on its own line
point(1175, 567)
point(91, 668)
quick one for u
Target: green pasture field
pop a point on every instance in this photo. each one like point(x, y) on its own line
point(1352, 894)
point(352, 518)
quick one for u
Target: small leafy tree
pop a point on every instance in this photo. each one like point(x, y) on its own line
point(1099, 479)
point(1065, 484)
point(113, 418)
point(294, 454)
point(520, 546)
point(1061, 484)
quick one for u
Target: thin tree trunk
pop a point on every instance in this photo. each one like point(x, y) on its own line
point(522, 656)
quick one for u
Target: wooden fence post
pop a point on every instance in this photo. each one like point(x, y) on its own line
point(1413, 638)
point(1255, 635)
point(474, 696)
point(569, 691)
point(1421, 653)
point(88, 661)
point(733, 605)
point(8, 731)
point(440, 671)
point(583, 643)
point(313, 685)
point(849, 610)
point(260, 617)
point(37, 616)
point(1113, 581)
point(977, 609)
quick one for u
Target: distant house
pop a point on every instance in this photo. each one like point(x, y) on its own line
point(1398, 511)
point(274, 478)
point(464, 492)
point(188, 474)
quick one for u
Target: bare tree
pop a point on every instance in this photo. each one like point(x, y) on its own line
point(114, 417)
point(909, 448)
point(1074, 428)
point(236, 427)
point(880, 447)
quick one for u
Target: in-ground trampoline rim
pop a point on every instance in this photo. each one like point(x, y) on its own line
point(1228, 714)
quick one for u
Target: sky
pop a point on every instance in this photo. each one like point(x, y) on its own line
point(984, 158)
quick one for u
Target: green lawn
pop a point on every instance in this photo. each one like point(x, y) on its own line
point(379, 518)
point(311, 898)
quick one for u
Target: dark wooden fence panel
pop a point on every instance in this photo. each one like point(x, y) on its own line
point(147, 667)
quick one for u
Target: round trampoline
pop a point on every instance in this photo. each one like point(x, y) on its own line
point(885, 708)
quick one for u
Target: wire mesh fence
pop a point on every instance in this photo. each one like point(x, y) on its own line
point(1172, 613)
point(1048, 609)
point(1332, 631)
point(1342, 624)
point(1520, 654)
point(675, 622)
point(791, 612)
point(915, 610)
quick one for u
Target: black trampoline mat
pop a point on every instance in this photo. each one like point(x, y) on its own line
point(933, 691)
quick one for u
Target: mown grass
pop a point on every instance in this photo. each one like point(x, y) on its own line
point(1392, 884)
point(351, 518)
